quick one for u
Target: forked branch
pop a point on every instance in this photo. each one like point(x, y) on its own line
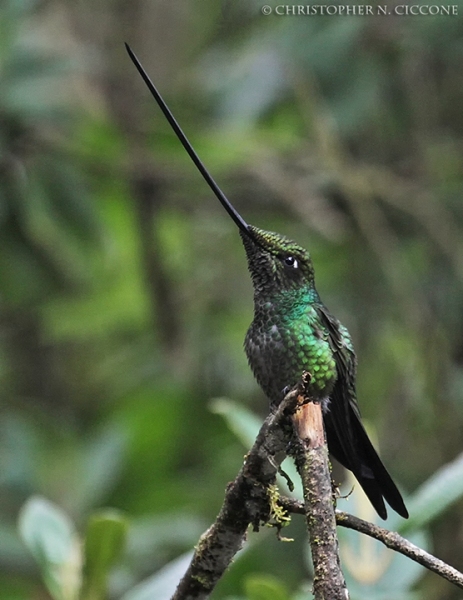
point(390, 539)
point(248, 502)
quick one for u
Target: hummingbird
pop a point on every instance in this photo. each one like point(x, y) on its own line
point(293, 332)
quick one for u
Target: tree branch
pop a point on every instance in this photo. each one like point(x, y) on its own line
point(396, 542)
point(313, 466)
point(246, 502)
point(390, 539)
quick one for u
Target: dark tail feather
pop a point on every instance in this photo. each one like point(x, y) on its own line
point(348, 442)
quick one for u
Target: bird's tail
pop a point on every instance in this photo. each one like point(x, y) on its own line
point(349, 443)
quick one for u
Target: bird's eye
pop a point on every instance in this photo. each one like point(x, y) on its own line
point(290, 261)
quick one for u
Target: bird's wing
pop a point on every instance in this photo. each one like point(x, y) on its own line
point(343, 405)
point(347, 439)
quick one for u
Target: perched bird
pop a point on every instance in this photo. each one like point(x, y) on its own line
point(292, 332)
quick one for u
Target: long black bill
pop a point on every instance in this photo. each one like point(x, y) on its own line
point(188, 147)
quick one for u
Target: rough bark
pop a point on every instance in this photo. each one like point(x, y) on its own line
point(313, 466)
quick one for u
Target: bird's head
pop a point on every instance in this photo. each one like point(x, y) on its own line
point(275, 262)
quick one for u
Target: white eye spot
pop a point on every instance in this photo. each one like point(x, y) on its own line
point(290, 261)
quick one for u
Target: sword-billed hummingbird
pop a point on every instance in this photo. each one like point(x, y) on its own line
point(293, 331)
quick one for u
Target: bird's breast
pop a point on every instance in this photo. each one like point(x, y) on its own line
point(279, 350)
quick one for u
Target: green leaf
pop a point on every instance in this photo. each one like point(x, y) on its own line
point(265, 587)
point(245, 425)
point(104, 543)
point(163, 584)
point(101, 458)
point(372, 570)
point(375, 572)
point(50, 536)
point(435, 496)
point(240, 420)
point(156, 535)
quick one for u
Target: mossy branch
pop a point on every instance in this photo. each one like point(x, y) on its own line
point(250, 500)
point(313, 465)
point(390, 539)
point(246, 503)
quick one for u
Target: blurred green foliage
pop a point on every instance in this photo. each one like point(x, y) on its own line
point(124, 296)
